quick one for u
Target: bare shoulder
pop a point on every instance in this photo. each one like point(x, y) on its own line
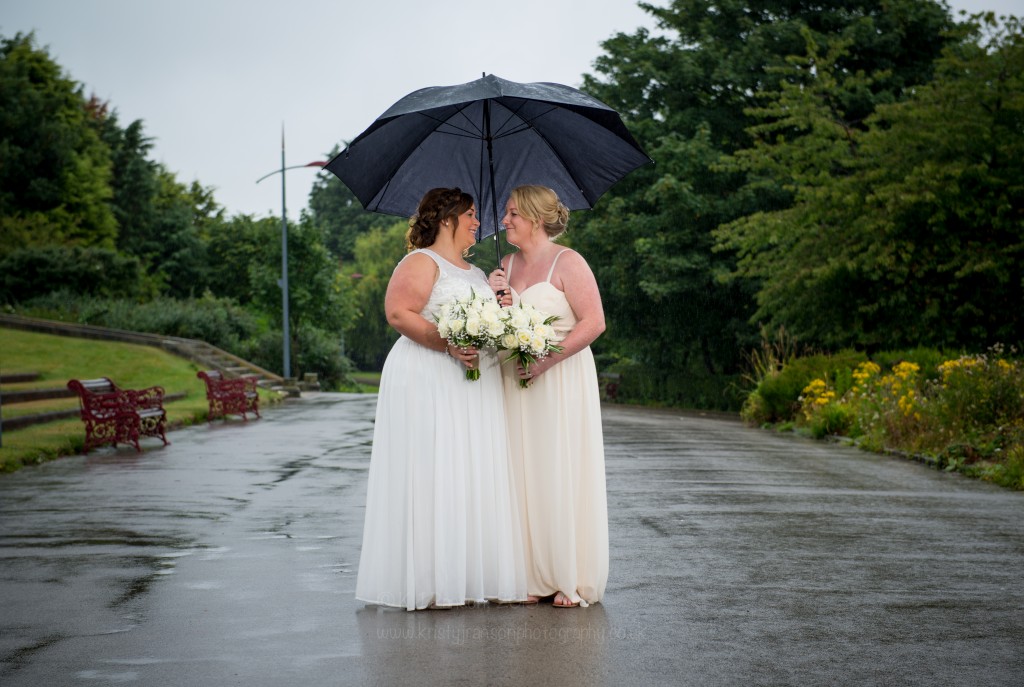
point(416, 262)
point(571, 262)
point(417, 267)
point(572, 272)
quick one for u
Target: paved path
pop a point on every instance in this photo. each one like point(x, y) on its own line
point(739, 557)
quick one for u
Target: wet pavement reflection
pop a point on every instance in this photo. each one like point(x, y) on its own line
point(739, 557)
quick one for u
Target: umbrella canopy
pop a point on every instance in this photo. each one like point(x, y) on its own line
point(487, 137)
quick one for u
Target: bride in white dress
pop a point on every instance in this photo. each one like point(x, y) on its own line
point(442, 526)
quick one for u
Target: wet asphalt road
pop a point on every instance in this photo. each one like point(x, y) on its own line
point(738, 557)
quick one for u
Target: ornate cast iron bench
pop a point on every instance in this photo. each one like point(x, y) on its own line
point(119, 416)
point(236, 396)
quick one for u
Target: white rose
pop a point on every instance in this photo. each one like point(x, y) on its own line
point(520, 319)
point(457, 326)
point(490, 317)
point(524, 337)
point(537, 345)
point(492, 306)
point(508, 341)
point(473, 326)
point(495, 329)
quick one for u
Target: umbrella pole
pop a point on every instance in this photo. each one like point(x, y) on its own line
point(490, 171)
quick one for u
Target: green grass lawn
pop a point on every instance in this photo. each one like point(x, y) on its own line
point(58, 359)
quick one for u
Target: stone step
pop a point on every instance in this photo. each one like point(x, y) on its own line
point(29, 395)
point(18, 377)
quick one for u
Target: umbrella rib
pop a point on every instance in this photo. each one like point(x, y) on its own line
point(470, 131)
point(561, 161)
point(525, 124)
point(466, 132)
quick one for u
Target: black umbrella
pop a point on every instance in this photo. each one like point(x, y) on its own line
point(487, 137)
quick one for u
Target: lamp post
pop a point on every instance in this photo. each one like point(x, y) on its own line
point(283, 282)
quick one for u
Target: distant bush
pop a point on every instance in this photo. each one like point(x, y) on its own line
point(777, 395)
point(927, 359)
point(218, 321)
point(27, 273)
point(645, 384)
point(313, 351)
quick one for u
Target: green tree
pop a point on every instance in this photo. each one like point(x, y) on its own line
point(234, 246)
point(319, 296)
point(338, 215)
point(906, 232)
point(368, 336)
point(26, 273)
point(135, 182)
point(178, 257)
point(55, 170)
point(685, 92)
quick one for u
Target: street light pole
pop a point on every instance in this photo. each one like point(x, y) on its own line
point(283, 282)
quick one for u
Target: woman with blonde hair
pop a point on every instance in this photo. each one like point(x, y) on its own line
point(554, 425)
point(441, 524)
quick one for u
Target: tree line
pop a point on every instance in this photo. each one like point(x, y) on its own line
point(848, 171)
point(92, 229)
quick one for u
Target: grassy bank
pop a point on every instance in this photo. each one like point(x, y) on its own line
point(58, 359)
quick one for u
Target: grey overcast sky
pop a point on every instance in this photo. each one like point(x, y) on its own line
point(214, 80)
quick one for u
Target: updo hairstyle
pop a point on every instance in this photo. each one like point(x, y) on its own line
point(436, 207)
point(540, 204)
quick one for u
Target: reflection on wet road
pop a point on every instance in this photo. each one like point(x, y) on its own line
point(738, 557)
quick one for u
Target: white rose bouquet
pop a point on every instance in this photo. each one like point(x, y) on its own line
point(472, 320)
point(528, 334)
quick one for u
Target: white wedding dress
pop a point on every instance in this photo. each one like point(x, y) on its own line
point(442, 525)
point(558, 460)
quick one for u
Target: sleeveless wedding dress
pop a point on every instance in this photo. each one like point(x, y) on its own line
point(442, 526)
point(558, 461)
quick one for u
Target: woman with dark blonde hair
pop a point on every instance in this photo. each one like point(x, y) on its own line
point(442, 527)
point(554, 424)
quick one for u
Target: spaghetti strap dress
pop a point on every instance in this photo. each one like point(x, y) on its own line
point(557, 447)
point(442, 526)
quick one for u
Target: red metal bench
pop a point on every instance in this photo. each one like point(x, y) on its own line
point(119, 416)
point(236, 396)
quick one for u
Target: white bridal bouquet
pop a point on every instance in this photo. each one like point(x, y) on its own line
point(528, 334)
point(473, 320)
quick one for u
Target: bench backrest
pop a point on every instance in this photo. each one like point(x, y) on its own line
point(211, 375)
point(99, 398)
point(103, 385)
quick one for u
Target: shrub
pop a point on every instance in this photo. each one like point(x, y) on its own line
point(29, 272)
point(218, 321)
point(754, 409)
point(313, 351)
point(1012, 474)
point(781, 392)
point(927, 359)
point(832, 419)
point(643, 384)
point(969, 418)
point(319, 352)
